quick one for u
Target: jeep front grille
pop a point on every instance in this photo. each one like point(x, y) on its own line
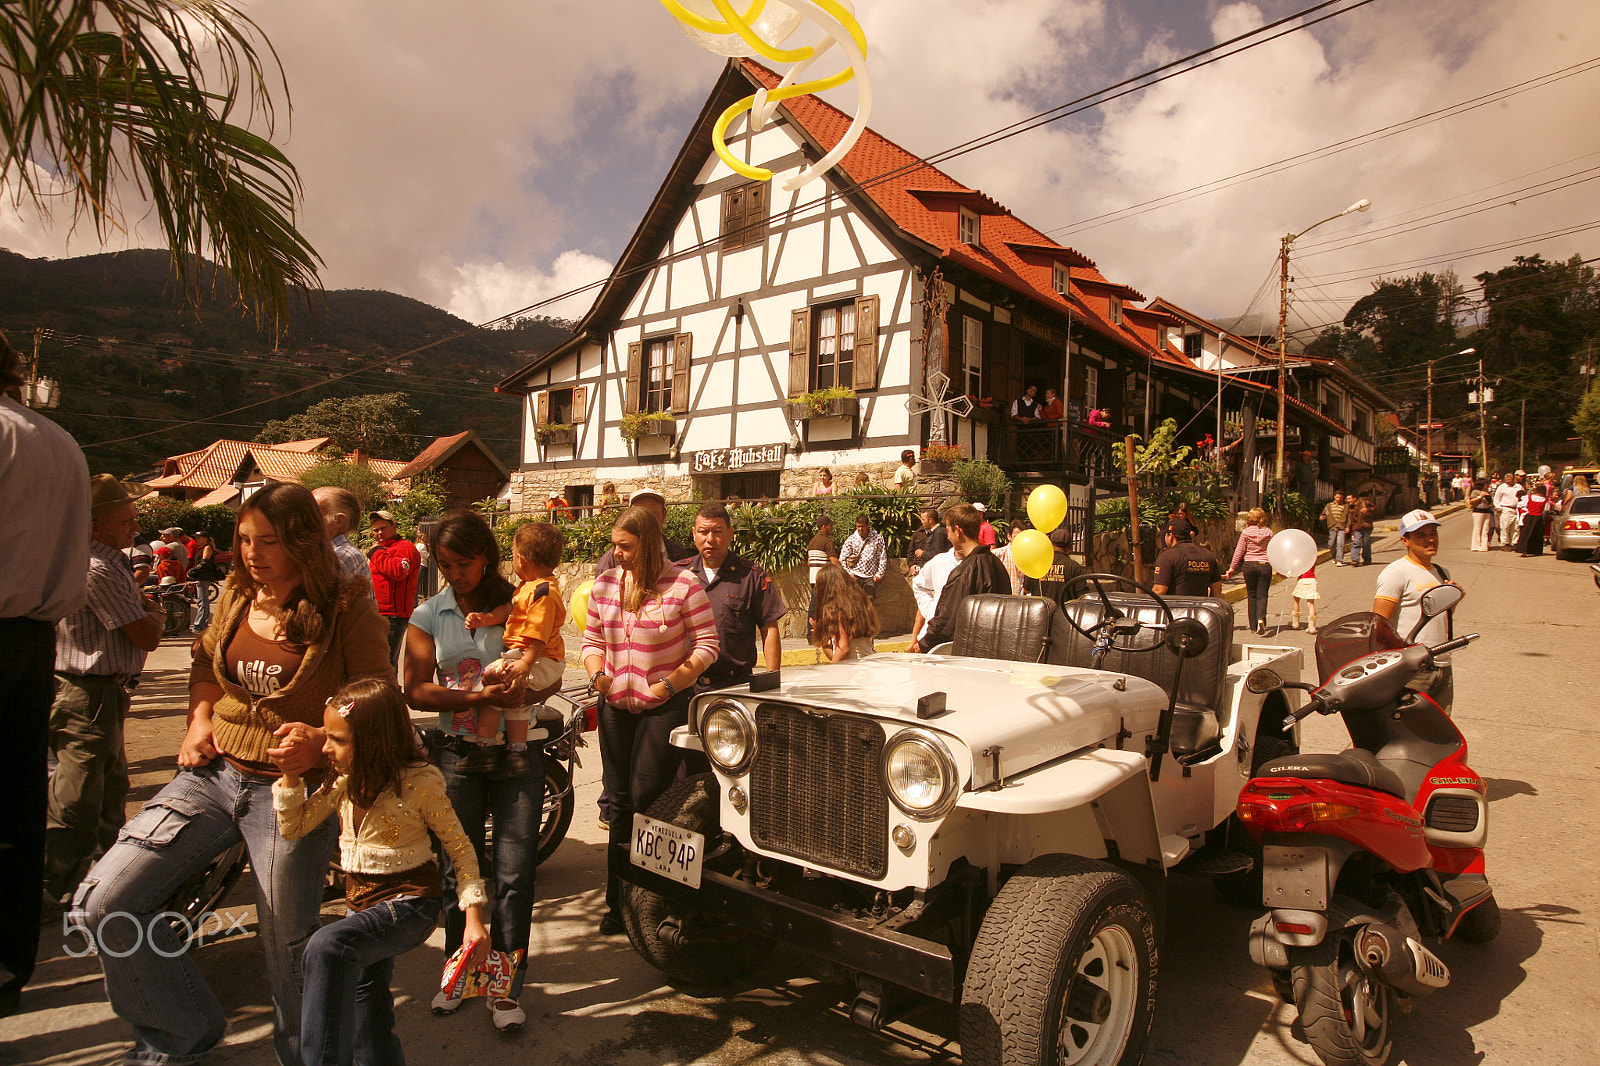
point(1452, 814)
point(816, 790)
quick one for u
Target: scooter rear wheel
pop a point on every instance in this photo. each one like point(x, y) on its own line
point(1344, 1013)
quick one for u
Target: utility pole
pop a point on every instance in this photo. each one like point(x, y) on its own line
point(1481, 386)
point(1427, 465)
point(1522, 437)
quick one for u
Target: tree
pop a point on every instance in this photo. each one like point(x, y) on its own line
point(1410, 321)
point(1587, 424)
point(369, 486)
point(91, 90)
point(381, 424)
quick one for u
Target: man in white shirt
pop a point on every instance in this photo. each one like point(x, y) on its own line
point(1505, 505)
point(927, 586)
point(1398, 598)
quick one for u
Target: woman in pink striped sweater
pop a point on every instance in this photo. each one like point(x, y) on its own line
point(649, 635)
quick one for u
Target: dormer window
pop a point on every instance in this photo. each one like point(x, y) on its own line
point(967, 229)
point(1061, 280)
point(1116, 310)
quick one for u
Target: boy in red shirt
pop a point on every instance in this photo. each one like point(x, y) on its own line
point(535, 654)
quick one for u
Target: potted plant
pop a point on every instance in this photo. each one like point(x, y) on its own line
point(554, 433)
point(641, 424)
point(835, 401)
point(937, 457)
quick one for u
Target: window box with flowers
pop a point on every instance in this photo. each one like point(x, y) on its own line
point(834, 402)
point(983, 409)
point(937, 458)
point(649, 430)
point(554, 433)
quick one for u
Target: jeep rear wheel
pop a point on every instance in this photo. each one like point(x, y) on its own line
point(697, 951)
point(1063, 970)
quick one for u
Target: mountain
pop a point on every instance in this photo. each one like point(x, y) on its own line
point(135, 362)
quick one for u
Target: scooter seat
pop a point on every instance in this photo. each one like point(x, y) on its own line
point(1352, 767)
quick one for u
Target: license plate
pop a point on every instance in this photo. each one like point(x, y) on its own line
point(666, 849)
point(1294, 878)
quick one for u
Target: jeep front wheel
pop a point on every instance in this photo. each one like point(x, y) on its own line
point(1063, 970)
point(697, 951)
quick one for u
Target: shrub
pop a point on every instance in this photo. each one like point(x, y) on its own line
point(162, 512)
point(980, 481)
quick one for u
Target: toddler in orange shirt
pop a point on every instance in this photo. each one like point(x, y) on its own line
point(535, 654)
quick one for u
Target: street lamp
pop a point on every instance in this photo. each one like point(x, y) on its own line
point(1283, 326)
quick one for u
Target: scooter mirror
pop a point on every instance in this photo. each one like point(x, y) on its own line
point(1441, 598)
point(1263, 681)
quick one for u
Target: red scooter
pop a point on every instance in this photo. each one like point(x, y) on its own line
point(1369, 852)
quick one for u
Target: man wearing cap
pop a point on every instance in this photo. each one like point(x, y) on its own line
point(744, 602)
point(1063, 568)
point(43, 541)
point(1398, 598)
point(1186, 568)
point(656, 504)
point(395, 566)
point(986, 534)
point(180, 550)
point(339, 509)
point(865, 556)
point(100, 651)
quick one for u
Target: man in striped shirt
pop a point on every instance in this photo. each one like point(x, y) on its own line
point(100, 650)
point(865, 556)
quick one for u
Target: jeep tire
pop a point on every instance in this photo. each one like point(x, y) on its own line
point(716, 955)
point(1063, 970)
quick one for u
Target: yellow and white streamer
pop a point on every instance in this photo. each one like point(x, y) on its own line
point(760, 30)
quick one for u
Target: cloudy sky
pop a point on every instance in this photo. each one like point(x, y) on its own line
point(488, 155)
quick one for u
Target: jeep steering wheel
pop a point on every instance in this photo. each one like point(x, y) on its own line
point(1120, 622)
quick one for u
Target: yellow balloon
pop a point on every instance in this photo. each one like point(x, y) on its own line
point(1032, 552)
point(1047, 507)
point(580, 605)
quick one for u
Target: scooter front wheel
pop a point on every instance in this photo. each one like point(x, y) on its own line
point(1344, 1013)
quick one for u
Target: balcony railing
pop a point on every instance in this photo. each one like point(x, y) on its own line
point(1077, 451)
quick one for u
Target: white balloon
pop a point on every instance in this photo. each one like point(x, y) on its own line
point(1291, 552)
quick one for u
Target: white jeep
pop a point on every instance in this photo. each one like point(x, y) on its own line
point(990, 824)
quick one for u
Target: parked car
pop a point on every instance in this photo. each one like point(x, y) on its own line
point(991, 824)
point(1575, 529)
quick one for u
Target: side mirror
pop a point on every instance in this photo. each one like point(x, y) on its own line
point(1439, 599)
point(1262, 681)
point(1187, 637)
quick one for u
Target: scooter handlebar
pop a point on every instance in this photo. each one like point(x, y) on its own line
point(1451, 645)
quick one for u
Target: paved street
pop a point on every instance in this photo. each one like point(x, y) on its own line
point(1526, 698)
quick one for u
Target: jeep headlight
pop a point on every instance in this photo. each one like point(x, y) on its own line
point(729, 736)
point(920, 774)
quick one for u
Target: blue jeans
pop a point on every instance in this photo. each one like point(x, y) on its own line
point(202, 611)
point(1361, 545)
point(150, 979)
point(1336, 544)
point(516, 806)
point(348, 1016)
point(637, 763)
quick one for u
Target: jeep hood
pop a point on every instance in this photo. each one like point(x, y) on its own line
point(1033, 712)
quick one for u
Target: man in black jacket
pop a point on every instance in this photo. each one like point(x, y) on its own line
point(978, 572)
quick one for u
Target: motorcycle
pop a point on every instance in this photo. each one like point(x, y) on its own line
point(559, 733)
point(1369, 852)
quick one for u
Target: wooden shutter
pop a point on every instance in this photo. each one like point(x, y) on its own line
point(580, 403)
point(542, 409)
point(733, 212)
point(682, 350)
point(799, 351)
point(866, 354)
point(755, 213)
point(631, 386)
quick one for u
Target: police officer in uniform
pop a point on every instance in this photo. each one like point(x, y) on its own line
point(1186, 568)
point(1063, 568)
point(743, 598)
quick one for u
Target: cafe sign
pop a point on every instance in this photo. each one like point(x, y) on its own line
point(760, 457)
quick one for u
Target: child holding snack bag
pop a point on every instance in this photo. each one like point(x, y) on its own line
point(388, 797)
point(535, 654)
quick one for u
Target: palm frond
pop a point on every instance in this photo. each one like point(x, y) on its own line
point(95, 94)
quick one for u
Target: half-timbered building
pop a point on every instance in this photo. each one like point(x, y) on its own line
point(750, 335)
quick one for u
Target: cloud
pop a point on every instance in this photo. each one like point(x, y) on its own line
point(481, 291)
